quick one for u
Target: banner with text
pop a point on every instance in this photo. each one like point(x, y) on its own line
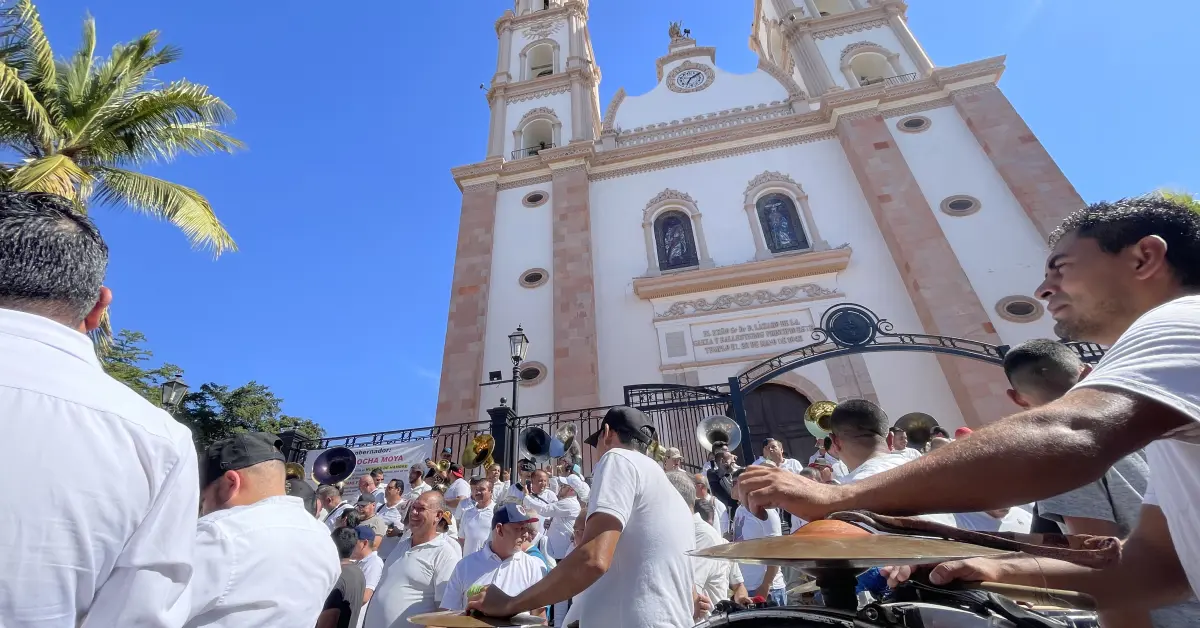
point(394, 460)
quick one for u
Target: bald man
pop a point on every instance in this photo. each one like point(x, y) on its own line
point(249, 533)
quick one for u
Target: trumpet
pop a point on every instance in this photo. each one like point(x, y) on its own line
point(443, 466)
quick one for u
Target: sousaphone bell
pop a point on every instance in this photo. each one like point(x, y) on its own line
point(478, 452)
point(563, 444)
point(534, 444)
point(816, 418)
point(918, 426)
point(334, 465)
point(294, 471)
point(718, 428)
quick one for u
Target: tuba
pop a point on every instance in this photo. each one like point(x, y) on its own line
point(656, 451)
point(918, 426)
point(718, 428)
point(294, 471)
point(534, 444)
point(563, 444)
point(478, 452)
point(334, 465)
point(816, 418)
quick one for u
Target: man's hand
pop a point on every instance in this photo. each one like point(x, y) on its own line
point(970, 570)
point(741, 598)
point(493, 602)
point(701, 606)
point(764, 590)
point(765, 487)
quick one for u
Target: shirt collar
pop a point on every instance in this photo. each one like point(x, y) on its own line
point(50, 333)
point(492, 556)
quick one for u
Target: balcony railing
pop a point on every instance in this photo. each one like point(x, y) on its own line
point(889, 81)
point(542, 70)
point(532, 150)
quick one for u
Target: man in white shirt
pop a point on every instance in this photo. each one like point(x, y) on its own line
point(673, 460)
point(368, 560)
point(392, 514)
point(366, 486)
point(500, 562)
point(562, 514)
point(499, 487)
point(416, 486)
point(764, 581)
point(773, 451)
point(477, 517)
point(249, 534)
point(900, 444)
point(103, 547)
point(633, 559)
point(538, 497)
point(332, 502)
point(1124, 275)
point(458, 490)
point(720, 511)
point(416, 573)
point(380, 491)
point(713, 578)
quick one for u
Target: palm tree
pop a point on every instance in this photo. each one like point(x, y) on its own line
point(82, 125)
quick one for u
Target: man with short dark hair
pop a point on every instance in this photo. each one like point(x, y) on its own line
point(500, 563)
point(377, 477)
point(368, 559)
point(720, 480)
point(633, 561)
point(366, 508)
point(1125, 275)
point(249, 534)
point(392, 514)
point(345, 602)
point(332, 503)
point(773, 451)
point(113, 545)
point(900, 444)
point(476, 522)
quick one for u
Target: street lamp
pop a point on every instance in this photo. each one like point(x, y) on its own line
point(173, 391)
point(518, 347)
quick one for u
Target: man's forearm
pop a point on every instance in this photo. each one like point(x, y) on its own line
point(569, 578)
point(1038, 454)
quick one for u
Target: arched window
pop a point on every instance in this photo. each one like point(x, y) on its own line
point(782, 229)
point(675, 241)
point(539, 58)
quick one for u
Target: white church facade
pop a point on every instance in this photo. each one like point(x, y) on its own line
point(683, 235)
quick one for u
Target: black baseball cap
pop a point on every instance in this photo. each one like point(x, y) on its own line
point(628, 421)
point(238, 452)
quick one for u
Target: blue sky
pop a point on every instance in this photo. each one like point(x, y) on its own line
point(346, 214)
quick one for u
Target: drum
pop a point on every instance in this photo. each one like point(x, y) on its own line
point(929, 615)
point(781, 617)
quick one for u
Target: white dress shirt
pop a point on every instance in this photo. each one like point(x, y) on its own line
point(332, 517)
point(414, 580)
point(476, 527)
point(266, 565)
point(108, 544)
point(519, 572)
point(392, 516)
point(713, 577)
point(380, 495)
point(562, 515)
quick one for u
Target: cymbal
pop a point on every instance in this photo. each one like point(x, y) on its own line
point(458, 619)
point(831, 544)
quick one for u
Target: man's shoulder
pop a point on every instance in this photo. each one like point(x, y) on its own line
point(274, 517)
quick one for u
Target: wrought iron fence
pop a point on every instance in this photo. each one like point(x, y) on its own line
point(455, 436)
point(676, 411)
point(584, 421)
point(532, 150)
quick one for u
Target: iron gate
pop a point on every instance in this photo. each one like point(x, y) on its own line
point(677, 409)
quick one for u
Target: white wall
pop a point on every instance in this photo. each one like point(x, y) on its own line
point(831, 50)
point(560, 103)
point(522, 241)
point(628, 344)
point(519, 41)
point(999, 248)
point(726, 92)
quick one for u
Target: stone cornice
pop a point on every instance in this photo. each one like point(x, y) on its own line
point(842, 23)
point(508, 20)
point(556, 83)
point(685, 53)
point(750, 273)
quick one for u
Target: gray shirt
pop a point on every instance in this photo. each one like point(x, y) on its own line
point(1117, 497)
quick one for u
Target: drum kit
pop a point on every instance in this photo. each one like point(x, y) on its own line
point(835, 553)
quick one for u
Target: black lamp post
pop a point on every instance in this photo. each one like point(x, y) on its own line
point(518, 346)
point(173, 391)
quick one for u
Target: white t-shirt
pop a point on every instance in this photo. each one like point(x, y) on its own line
point(649, 581)
point(484, 568)
point(108, 541)
point(476, 527)
point(372, 568)
point(747, 527)
point(1158, 358)
point(414, 579)
point(712, 577)
point(908, 452)
point(887, 462)
point(459, 489)
point(789, 464)
point(720, 514)
point(240, 554)
point(562, 515)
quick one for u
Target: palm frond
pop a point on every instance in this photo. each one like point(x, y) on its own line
point(16, 92)
point(123, 72)
point(75, 72)
point(39, 58)
point(178, 103)
point(165, 143)
point(55, 174)
point(180, 205)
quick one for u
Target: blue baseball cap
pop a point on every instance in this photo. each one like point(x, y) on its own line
point(365, 533)
point(512, 513)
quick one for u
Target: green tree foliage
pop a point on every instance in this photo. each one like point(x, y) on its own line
point(213, 411)
point(1181, 197)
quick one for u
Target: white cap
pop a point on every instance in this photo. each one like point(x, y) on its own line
point(579, 486)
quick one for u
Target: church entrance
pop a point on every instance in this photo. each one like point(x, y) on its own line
point(775, 411)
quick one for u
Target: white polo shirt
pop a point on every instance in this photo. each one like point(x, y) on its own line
point(562, 515)
point(476, 527)
point(713, 577)
point(269, 564)
point(392, 516)
point(519, 572)
point(109, 544)
point(789, 464)
point(414, 579)
point(372, 568)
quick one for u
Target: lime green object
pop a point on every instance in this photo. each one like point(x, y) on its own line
point(475, 590)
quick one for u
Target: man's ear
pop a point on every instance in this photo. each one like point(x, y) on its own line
point(1017, 398)
point(1149, 256)
point(92, 320)
point(1085, 371)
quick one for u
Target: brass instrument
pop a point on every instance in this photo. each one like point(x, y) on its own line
point(919, 428)
point(816, 418)
point(443, 466)
point(656, 451)
point(718, 428)
point(478, 452)
point(334, 465)
point(294, 471)
point(534, 444)
point(564, 444)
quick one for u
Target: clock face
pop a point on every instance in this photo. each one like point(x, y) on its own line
point(690, 79)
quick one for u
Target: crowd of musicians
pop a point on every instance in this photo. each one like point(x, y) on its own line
point(115, 538)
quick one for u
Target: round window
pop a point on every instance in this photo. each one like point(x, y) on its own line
point(913, 124)
point(1019, 309)
point(960, 205)
point(534, 277)
point(531, 373)
point(535, 198)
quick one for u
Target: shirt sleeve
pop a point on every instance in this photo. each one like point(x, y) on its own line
point(1089, 502)
point(1157, 358)
point(614, 487)
point(215, 562)
point(454, 596)
point(561, 508)
point(372, 572)
point(443, 569)
point(735, 574)
point(1151, 496)
point(149, 582)
point(773, 526)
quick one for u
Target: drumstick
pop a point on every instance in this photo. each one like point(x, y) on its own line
point(1037, 596)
